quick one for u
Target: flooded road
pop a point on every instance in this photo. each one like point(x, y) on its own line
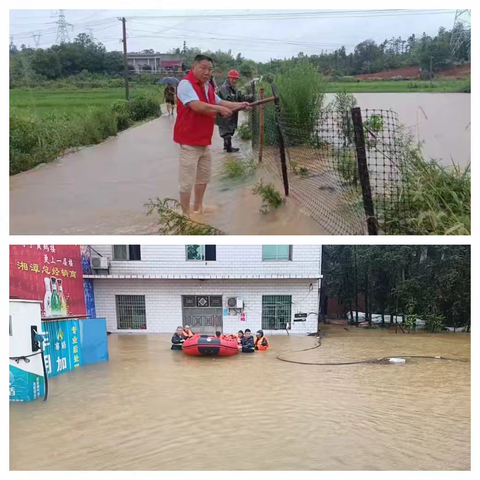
point(150, 408)
point(441, 120)
point(102, 190)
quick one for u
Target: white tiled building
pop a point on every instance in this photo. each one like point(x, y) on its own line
point(154, 289)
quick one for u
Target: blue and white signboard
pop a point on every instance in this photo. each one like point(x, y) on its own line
point(62, 346)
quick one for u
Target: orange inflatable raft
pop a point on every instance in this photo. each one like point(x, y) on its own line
point(205, 345)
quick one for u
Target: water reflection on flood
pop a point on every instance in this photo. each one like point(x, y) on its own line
point(150, 408)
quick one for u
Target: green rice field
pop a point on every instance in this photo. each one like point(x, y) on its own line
point(400, 86)
point(42, 102)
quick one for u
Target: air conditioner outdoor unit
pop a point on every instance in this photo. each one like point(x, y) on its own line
point(100, 263)
point(235, 302)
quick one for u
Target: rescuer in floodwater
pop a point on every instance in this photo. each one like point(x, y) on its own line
point(261, 341)
point(178, 339)
point(247, 342)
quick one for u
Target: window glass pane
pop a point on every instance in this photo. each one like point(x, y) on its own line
point(269, 252)
point(131, 313)
point(195, 252)
point(276, 311)
point(211, 253)
point(120, 252)
point(134, 251)
point(283, 252)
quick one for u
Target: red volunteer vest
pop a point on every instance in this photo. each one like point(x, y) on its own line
point(192, 128)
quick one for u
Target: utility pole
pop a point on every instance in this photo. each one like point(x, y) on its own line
point(125, 61)
point(356, 284)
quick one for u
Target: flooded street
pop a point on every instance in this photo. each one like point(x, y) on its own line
point(103, 189)
point(150, 408)
point(441, 120)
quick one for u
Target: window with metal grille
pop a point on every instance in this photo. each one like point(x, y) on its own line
point(276, 253)
point(276, 311)
point(131, 313)
point(127, 252)
point(207, 253)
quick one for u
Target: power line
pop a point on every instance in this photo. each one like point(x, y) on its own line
point(247, 43)
point(252, 39)
point(48, 30)
point(306, 15)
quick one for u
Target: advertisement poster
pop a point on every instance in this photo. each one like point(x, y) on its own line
point(62, 346)
point(86, 256)
point(25, 386)
point(52, 274)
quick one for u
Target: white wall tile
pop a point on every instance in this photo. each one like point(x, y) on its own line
point(231, 260)
point(163, 300)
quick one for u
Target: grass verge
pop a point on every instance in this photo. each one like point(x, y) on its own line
point(400, 86)
point(35, 140)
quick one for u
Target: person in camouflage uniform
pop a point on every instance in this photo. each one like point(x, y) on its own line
point(227, 126)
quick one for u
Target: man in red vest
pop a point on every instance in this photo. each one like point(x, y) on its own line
point(197, 106)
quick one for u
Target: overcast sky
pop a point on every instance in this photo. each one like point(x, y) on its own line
point(261, 37)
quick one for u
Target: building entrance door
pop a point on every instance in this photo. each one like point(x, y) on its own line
point(203, 313)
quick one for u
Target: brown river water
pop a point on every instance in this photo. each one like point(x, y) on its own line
point(150, 408)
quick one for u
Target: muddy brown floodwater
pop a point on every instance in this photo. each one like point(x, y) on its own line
point(150, 408)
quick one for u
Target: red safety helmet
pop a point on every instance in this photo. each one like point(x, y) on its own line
point(233, 74)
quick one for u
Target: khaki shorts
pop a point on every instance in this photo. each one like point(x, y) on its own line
point(195, 166)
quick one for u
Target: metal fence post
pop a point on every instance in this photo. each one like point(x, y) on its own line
point(281, 141)
point(262, 126)
point(363, 171)
point(253, 116)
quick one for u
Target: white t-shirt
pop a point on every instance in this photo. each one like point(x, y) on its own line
point(187, 94)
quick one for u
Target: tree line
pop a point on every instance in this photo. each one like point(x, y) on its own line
point(83, 54)
point(427, 52)
point(419, 280)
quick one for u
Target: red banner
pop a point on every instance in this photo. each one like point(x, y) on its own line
point(49, 273)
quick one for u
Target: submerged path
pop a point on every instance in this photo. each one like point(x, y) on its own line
point(102, 189)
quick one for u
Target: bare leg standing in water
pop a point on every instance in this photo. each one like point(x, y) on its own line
point(197, 106)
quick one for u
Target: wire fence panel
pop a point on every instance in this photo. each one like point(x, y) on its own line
point(324, 164)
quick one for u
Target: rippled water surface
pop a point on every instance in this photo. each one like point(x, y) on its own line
point(149, 407)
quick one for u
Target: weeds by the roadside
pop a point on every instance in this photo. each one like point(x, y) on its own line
point(466, 87)
point(347, 166)
point(298, 170)
point(172, 221)
point(35, 140)
point(237, 169)
point(270, 196)
point(245, 131)
point(434, 199)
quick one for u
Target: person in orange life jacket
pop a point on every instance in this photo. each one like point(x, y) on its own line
point(261, 342)
point(197, 106)
point(178, 339)
point(247, 342)
point(187, 331)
